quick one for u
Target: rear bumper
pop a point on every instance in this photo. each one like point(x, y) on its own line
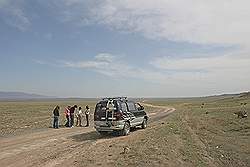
point(109, 126)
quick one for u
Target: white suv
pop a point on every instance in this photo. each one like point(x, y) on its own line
point(119, 114)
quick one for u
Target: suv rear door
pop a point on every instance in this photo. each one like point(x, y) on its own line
point(125, 111)
point(100, 111)
point(134, 113)
point(140, 112)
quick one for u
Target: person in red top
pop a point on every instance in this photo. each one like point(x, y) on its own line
point(67, 115)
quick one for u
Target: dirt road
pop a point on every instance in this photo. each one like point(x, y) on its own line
point(77, 146)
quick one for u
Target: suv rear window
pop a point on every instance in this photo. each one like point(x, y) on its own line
point(131, 106)
point(101, 106)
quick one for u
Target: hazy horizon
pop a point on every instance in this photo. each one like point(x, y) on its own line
point(143, 48)
point(41, 96)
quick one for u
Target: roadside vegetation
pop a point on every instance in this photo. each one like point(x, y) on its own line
point(27, 116)
point(202, 132)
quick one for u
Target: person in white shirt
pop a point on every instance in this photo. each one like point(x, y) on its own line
point(79, 117)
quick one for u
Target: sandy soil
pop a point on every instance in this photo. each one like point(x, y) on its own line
point(78, 146)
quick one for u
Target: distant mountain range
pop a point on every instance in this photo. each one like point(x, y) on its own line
point(21, 95)
point(27, 96)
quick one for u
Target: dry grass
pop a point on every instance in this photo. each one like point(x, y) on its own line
point(23, 116)
point(195, 136)
point(191, 136)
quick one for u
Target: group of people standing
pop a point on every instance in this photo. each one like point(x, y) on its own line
point(70, 114)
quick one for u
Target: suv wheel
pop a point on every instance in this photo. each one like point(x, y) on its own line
point(126, 129)
point(144, 123)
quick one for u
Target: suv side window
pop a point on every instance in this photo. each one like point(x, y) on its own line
point(131, 106)
point(124, 107)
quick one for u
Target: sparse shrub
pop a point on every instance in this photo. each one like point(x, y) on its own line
point(241, 114)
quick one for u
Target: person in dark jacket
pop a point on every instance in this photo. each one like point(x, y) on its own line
point(56, 117)
point(87, 112)
point(72, 111)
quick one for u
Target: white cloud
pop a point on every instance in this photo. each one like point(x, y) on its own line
point(39, 62)
point(171, 70)
point(210, 74)
point(86, 64)
point(104, 57)
point(204, 22)
point(193, 76)
point(219, 22)
point(202, 63)
point(12, 13)
point(103, 63)
point(168, 77)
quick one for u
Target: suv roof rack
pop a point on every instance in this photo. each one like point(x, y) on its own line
point(115, 98)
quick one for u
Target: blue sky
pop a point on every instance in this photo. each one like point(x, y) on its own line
point(94, 48)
